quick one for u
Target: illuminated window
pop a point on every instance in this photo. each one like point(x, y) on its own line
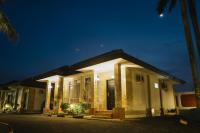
point(88, 89)
point(98, 89)
point(156, 85)
point(69, 90)
point(77, 86)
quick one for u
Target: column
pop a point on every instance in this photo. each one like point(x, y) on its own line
point(48, 94)
point(60, 93)
point(149, 108)
point(55, 102)
point(118, 111)
point(118, 90)
point(20, 95)
point(161, 98)
point(93, 109)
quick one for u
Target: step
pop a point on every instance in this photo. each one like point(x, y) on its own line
point(103, 114)
point(105, 111)
point(102, 117)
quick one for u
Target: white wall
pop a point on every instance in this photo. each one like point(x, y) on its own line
point(39, 98)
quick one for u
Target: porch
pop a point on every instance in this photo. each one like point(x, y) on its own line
point(99, 85)
point(111, 88)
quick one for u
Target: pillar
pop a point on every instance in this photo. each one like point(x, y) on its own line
point(20, 95)
point(60, 94)
point(118, 90)
point(55, 102)
point(161, 99)
point(48, 94)
point(93, 93)
point(149, 106)
point(16, 98)
point(118, 111)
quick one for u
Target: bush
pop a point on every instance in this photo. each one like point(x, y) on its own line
point(75, 109)
point(8, 108)
point(65, 107)
point(85, 106)
point(79, 108)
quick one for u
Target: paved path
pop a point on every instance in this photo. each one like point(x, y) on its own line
point(44, 124)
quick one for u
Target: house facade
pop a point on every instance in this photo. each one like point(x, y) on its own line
point(115, 82)
point(24, 96)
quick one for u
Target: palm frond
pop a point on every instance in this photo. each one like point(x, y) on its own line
point(7, 28)
point(2, 2)
point(172, 5)
point(162, 5)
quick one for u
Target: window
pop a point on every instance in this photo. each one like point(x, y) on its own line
point(88, 89)
point(163, 84)
point(76, 88)
point(156, 85)
point(139, 78)
point(69, 90)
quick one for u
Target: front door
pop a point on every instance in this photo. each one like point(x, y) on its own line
point(110, 94)
point(52, 96)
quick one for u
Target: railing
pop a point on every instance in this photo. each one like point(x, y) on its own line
point(10, 129)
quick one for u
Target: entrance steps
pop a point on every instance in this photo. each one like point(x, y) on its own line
point(107, 114)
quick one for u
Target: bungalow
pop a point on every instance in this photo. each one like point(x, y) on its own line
point(114, 83)
point(25, 96)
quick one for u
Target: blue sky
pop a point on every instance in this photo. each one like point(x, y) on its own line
point(54, 33)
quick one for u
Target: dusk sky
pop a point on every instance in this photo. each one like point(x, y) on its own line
point(54, 33)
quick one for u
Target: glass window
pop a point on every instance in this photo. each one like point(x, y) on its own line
point(88, 89)
point(163, 84)
point(77, 88)
point(139, 78)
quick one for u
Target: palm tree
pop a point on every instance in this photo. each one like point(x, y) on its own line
point(194, 19)
point(169, 5)
point(6, 27)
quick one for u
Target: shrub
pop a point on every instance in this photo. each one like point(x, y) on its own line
point(79, 108)
point(65, 107)
point(85, 105)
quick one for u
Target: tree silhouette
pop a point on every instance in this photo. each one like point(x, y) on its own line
point(5, 25)
point(184, 5)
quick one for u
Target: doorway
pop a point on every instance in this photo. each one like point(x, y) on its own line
point(110, 94)
point(52, 96)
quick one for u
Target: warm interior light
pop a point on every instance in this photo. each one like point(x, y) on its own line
point(156, 85)
point(153, 111)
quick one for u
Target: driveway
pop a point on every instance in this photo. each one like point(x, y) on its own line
point(44, 124)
